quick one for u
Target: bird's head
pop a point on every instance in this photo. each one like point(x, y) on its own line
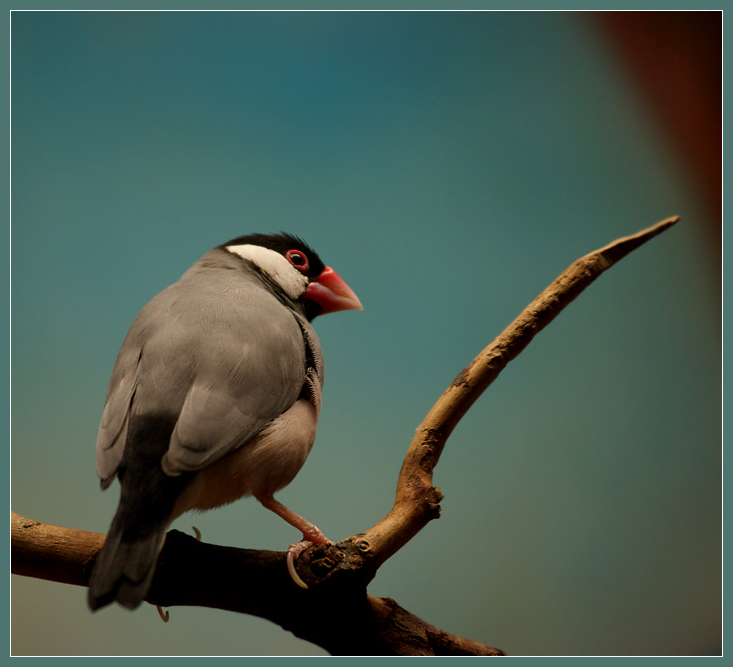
point(295, 268)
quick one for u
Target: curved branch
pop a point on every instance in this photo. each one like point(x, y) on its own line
point(417, 501)
point(342, 617)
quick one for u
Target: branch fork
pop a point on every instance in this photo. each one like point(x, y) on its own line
point(342, 617)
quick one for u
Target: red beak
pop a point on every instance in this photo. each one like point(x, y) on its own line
point(331, 293)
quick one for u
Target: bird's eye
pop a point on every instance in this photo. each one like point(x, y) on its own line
point(298, 259)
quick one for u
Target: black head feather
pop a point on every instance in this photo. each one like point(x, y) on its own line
point(281, 243)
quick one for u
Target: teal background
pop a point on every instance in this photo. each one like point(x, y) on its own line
point(448, 166)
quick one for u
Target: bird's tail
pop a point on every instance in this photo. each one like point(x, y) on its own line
point(124, 567)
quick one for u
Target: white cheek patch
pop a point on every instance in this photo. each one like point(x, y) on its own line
point(292, 281)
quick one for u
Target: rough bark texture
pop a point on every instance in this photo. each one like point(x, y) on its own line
point(342, 618)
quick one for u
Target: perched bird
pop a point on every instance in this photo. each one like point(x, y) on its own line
point(214, 396)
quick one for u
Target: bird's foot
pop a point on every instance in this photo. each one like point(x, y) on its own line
point(294, 550)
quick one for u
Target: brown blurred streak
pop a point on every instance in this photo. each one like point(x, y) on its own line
point(675, 59)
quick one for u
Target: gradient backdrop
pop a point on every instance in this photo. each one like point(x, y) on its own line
point(449, 166)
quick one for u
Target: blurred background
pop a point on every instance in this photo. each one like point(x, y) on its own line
point(448, 166)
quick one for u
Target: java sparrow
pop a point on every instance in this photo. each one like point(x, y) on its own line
point(215, 395)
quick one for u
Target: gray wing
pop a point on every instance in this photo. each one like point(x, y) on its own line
point(217, 351)
point(116, 415)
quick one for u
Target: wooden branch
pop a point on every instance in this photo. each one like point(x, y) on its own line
point(342, 620)
point(49, 552)
point(342, 617)
point(417, 501)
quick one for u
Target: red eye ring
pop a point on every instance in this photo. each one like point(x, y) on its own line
point(298, 259)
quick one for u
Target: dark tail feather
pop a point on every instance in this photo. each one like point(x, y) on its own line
point(124, 567)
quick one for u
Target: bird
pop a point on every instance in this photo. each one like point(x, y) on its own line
point(214, 396)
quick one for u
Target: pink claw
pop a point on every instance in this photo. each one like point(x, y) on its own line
point(294, 550)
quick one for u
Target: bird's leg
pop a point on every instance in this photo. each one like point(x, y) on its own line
point(311, 534)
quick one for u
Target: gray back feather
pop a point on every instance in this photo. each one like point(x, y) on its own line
point(216, 349)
